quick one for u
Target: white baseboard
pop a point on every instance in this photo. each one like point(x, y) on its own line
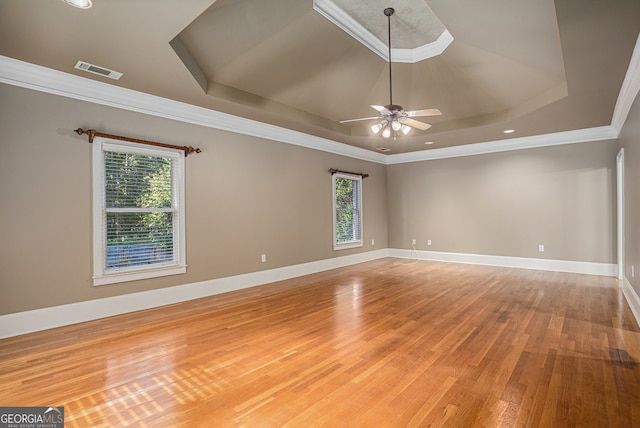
point(632, 298)
point(43, 319)
point(605, 269)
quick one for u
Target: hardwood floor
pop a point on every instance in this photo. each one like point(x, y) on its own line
point(383, 343)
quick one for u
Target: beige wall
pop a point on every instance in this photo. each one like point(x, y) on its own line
point(506, 204)
point(630, 140)
point(245, 196)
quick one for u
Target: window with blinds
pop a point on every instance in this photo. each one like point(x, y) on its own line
point(138, 212)
point(347, 211)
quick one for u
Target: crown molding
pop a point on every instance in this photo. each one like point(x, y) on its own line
point(31, 76)
point(628, 91)
point(422, 52)
point(344, 21)
point(559, 138)
point(626, 97)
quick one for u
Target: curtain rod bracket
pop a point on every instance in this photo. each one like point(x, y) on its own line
point(92, 133)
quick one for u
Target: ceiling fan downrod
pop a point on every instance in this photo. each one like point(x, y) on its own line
point(388, 12)
point(392, 119)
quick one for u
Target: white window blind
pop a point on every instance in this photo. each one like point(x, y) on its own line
point(138, 205)
point(347, 204)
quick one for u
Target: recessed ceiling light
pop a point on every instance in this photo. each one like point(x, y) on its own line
point(82, 4)
point(383, 149)
point(429, 142)
point(509, 131)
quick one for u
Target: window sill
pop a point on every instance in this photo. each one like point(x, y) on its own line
point(348, 245)
point(135, 275)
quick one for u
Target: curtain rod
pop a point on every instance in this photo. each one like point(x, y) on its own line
point(92, 133)
point(333, 171)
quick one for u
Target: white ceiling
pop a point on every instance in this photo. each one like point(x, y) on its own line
point(536, 66)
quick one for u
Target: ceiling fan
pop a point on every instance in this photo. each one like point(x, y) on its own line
point(392, 117)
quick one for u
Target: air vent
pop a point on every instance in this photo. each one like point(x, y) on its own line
point(85, 66)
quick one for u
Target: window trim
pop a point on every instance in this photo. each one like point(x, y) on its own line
point(102, 276)
point(351, 244)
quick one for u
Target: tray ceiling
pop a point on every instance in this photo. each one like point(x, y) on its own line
point(535, 66)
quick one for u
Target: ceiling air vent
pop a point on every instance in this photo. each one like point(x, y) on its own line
point(85, 66)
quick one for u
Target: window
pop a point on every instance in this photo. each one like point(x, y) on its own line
point(347, 211)
point(138, 212)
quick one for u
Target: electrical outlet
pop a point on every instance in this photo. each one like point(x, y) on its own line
point(373, 242)
point(633, 272)
point(413, 241)
point(541, 248)
point(428, 241)
point(263, 258)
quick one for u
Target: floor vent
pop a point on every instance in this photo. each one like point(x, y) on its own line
point(85, 66)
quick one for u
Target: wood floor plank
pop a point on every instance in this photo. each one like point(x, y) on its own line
point(384, 343)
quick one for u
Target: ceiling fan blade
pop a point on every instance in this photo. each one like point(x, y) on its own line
point(425, 112)
point(416, 124)
point(361, 118)
point(381, 109)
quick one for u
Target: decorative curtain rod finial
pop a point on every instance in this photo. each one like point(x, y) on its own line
point(90, 132)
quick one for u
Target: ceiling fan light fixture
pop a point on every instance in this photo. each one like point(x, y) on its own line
point(81, 4)
point(392, 119)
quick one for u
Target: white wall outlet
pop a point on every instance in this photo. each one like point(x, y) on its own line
point(541, 248)
point(263, 258)
point(373, 242)
point(413, 241)
point(428, 241)
point(633, 271)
